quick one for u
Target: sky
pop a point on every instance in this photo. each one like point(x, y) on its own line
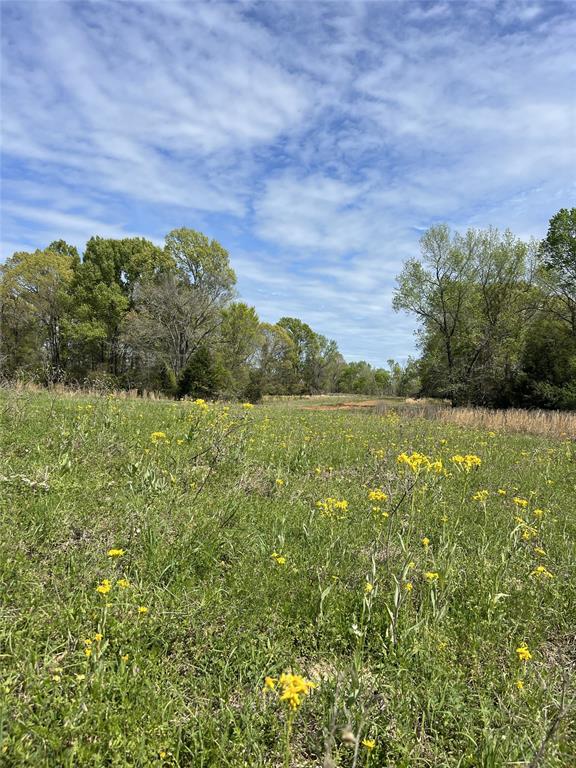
point(315, 141)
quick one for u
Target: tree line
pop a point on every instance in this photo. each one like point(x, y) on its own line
point(496, 316)
point(130, 314)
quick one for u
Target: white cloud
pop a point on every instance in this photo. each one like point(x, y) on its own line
point(317, 141)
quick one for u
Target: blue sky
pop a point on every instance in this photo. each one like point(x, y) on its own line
point(316, 141)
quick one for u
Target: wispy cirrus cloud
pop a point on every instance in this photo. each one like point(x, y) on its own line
point(316, 141)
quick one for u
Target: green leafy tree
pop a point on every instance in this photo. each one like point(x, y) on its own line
point(558, 259)
point(239, 337)
point(199, 379)
point(104, 290)
point(36, 299)
point(474, 297)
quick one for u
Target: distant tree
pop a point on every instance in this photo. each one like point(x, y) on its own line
point(199, 379)
point(275, 360)
point(104, 290)
point(35, 301)
point(237, 343)
point(558, 259)
point(177, 311)
point(474, 297)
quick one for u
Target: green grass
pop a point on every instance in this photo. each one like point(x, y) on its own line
point(429, 673)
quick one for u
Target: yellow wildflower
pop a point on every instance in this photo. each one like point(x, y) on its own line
point(523, 652)
point(369, 744)
point(368, 587)
point(331, 507)
point(247, 406)
point(431, 576)
point(142, 609)
point(408, 586)
point(98, 637)
point(280, 559)
point(519, 684)
point(538, 512)
point(293, 688)
point(279, 482)
point(426, 542)
point(158, 437)
point(480, 495)
point(377, 495)
point(542, 572)
point(123, 583)
point(87, 652)
point(539, 551)
point(115, 552)
point(466, 462)
point(104, 587)
point(501, 491)
point(520, 502)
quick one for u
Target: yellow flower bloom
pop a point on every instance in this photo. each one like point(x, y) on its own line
point(480, 495)
point(279, 482)
point(123, 583)
point(538, 512)
point(115, 552)
point(501, 491)
point(542, 572)
point(426, 542)
point(293, 688)
point(369, 744)
point(247, 406)
point(158, 437)
point(368, 587)
point(467, 462)
point(142, 609)
point(519, 684)
point(377, 495)
point(269, 683)
point(408, 586)
point(539, 551)
point(431, 576)
point(330, 507)
point(523, 652)
point(280, 559)
point(104, 587)
point(87, 652)
point(520, 502)
point(98, 637)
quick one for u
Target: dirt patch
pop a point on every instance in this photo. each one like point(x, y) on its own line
point(343, 406)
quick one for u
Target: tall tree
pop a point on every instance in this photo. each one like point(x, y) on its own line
point(471, 294)
point(238, 341)
point(176, 312)
point(104, 290)
point(35, 297)
point(558, 259)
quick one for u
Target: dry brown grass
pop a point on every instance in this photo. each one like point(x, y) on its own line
point(557, 424)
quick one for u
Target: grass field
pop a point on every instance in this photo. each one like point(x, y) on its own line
point(159, 561)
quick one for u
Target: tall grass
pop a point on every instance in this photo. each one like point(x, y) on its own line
point(188, 584)
point(556, 424)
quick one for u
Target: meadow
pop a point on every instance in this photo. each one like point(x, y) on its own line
point(189, 584)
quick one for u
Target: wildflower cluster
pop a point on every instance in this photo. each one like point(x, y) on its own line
point(280, 559)
point(336, 508)
point(290, 688)
point(377, 495)
point(157, 438)
point(523, 652)
point(466, 462)
point(419, 461)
